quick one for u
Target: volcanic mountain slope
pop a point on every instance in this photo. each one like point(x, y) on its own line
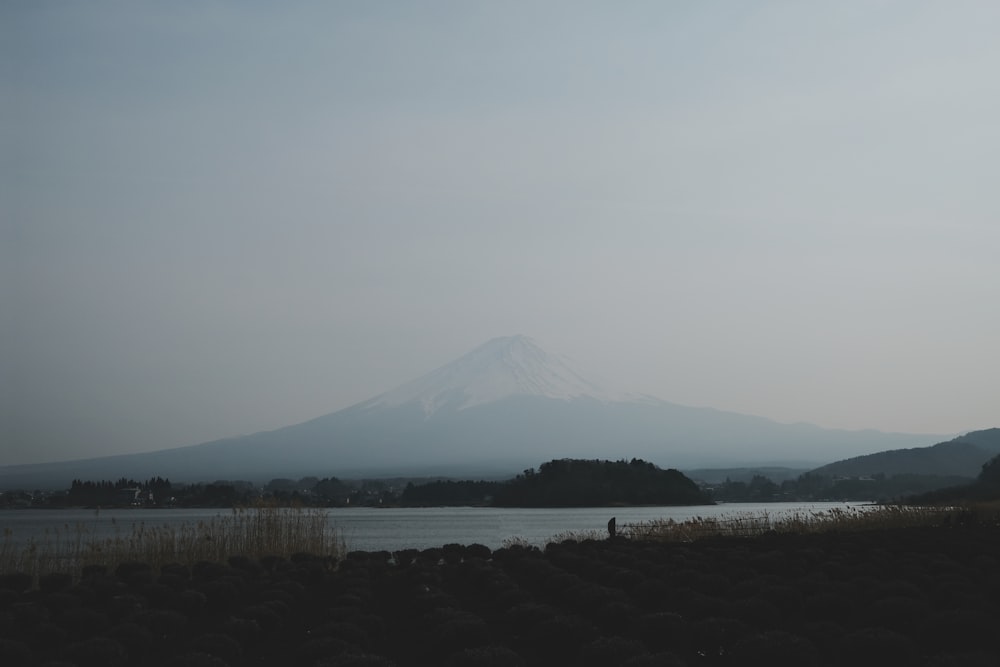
point(963, 456)
point(503, 367)
point(504, 406)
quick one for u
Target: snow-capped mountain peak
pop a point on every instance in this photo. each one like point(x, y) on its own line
point(500, 368)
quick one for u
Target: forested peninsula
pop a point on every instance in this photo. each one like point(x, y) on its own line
point(568, 483)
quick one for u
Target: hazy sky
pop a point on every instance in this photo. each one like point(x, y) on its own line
point(224, 217)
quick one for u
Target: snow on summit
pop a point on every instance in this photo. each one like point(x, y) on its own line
point(502, 367)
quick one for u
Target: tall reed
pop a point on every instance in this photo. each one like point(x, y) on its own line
point(262, 530)
point(855, 518)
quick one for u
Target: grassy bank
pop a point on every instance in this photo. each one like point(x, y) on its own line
point(266, 530)
point(847, 519)
point(252, 532)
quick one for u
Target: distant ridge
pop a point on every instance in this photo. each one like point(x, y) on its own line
point(496, 410)
point(963, 456)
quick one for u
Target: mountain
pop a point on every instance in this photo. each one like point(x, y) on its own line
point(963, 456)
point(503, 367)
point(505, 406)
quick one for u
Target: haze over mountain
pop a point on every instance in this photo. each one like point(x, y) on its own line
point(504, 406)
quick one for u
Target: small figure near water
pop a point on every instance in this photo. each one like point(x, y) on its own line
point(611, 529)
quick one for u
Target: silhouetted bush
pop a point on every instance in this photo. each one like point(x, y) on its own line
point(452, 554)
point(83, 623)
point(897, 613)
point(562, 636)
point(16, 581)
point(15, 653)
point(963, 659)
point(829, 606)
point(349, 633)
point(313, 650)
point(268, 618)
point(135, 573)
point(220, 596)
point(529, 615)
point(655, 660)
point(717, 635)
point(163, 623)
point(507, 597)
point(190, 602)
point(137, 640)
point(486, 656)
point(663, 631)
point(405, 557)
point(755, 612)
point(959, 630)
point(61, 602)
point(97, 652)
point(478, 551)
point(430, 556)
point(610, 651)
point(219, 645)
point(460, 632)
point(194, 659)
point(877, 647)
point(243, 630)
point(356, 660)
point(776, 649)
point(46, 638)
point(55, 582)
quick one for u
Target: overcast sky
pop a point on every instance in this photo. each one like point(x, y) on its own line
point(225, 217)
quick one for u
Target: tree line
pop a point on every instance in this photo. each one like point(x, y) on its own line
point(161, 492)
point(557, 483)
point(815, 487)
point(123, 491)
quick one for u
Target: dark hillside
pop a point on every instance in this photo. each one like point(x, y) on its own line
point(986, 488)
point(988, 439)
point(962, 456)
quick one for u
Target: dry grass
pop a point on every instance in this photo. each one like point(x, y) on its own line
point(253, 532)
point(838, 519)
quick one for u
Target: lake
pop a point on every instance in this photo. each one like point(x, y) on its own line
point(391, 529)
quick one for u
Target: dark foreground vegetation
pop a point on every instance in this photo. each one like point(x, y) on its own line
point(918, 595)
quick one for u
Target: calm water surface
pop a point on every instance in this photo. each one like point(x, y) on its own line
point(370, 529)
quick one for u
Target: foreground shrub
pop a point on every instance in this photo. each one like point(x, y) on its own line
point(876, 647)
point(776, 649)
point(356, 660)
point(98, 652)
point(655, 660)
point(486, 656)
point(14, 653)
point(610, 651)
